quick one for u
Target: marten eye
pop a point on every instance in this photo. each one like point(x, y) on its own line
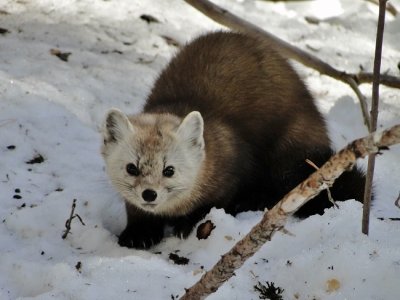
point(169, 171)
point(132, 170)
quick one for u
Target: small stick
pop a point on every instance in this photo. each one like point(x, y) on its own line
point(327, 189)
point(69, 220)
point(312, 164)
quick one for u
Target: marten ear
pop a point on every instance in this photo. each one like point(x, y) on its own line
point(191, 130)
point(116, 126)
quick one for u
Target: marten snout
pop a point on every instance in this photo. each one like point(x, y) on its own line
point(149, 195)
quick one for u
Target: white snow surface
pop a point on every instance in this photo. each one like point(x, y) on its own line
point(53, 108)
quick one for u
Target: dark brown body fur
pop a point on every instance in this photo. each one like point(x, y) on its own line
point(261, 124)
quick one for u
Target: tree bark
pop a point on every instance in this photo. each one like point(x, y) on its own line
point(275, 219)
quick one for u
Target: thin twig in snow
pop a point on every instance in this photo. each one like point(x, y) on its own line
point(69, 220)
point(397, 202)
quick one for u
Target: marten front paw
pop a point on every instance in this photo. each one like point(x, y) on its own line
point(140, 239)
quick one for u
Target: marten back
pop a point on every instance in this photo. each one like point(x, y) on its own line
point(240, 80)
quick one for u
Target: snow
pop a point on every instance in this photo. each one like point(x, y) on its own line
point(53, 108)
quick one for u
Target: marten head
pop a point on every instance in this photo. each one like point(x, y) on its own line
point(153, 160)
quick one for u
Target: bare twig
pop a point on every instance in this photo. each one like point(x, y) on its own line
point(232, 21)
point(69, 220)
point(362, 100)
point(374, 114)
point(385, 79)
point(275, 219)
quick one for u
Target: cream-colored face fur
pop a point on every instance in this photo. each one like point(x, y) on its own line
point(154, 156)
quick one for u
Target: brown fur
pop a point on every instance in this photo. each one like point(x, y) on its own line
point(260, 124)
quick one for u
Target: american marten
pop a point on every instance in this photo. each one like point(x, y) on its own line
point(228, 124)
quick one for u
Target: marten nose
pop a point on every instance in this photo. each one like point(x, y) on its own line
point(149, 195)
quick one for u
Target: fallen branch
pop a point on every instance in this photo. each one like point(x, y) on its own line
point(232, 21)
point(275, 219)
point(374, 114)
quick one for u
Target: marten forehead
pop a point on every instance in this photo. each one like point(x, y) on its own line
point(152, 147)
point(153, 133)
